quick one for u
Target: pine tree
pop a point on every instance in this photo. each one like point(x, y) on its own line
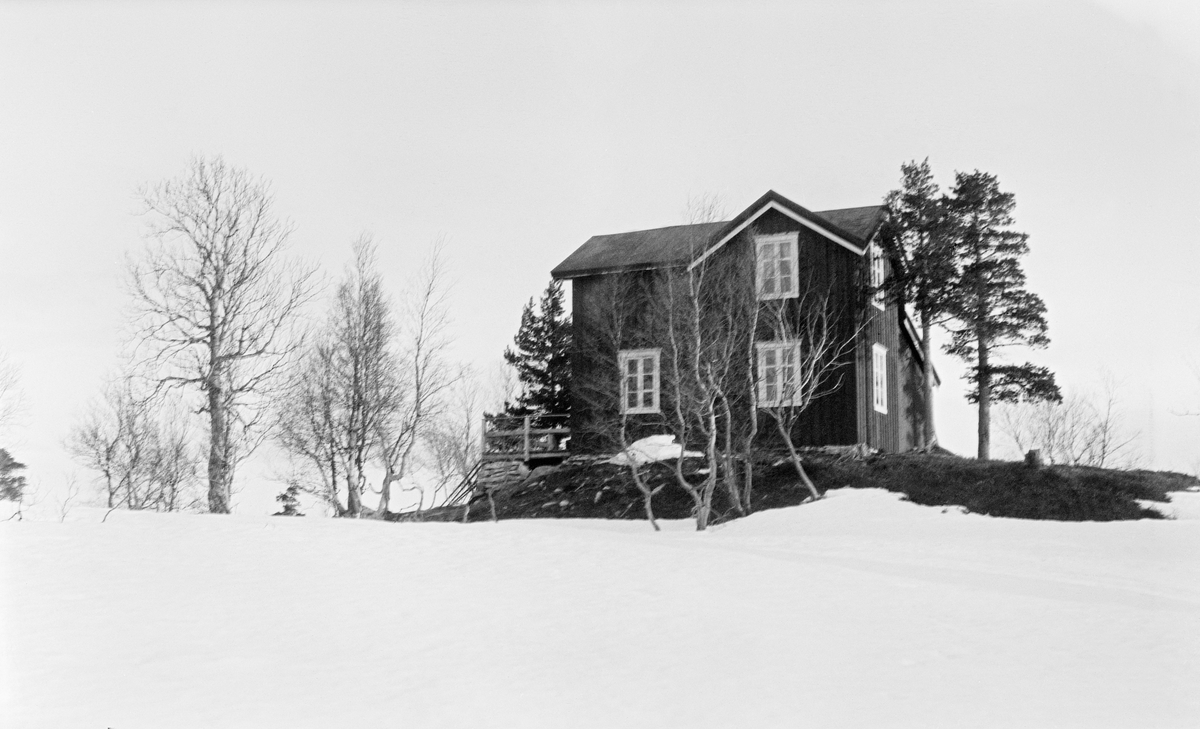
point(12, 486)
point(991, 308)
point(289, 501)
point(541, 355)
point(916, 238)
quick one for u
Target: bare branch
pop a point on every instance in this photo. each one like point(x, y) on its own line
point(140, 449)
point(216, 304)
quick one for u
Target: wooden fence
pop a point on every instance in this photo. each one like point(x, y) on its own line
point(529, 437)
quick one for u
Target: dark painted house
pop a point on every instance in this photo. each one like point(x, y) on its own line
point(876, 396)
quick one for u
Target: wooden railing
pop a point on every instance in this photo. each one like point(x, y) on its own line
point(509, 437)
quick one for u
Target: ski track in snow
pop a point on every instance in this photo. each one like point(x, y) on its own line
point(858, 610)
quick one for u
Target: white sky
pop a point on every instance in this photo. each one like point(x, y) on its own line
point(520, 130)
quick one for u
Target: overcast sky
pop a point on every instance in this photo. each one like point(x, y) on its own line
point(517, 131)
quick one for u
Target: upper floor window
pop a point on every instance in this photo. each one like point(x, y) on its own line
point(778, 267)
point(877, 276)
point(639, 380)
point(879, 377)
point(777, 371)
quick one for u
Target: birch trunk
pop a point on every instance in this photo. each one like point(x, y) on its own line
point(218, 449)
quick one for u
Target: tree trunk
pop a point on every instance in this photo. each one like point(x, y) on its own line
point(649, 507)
point(929, 435)
point(984, 383)
point(710, 484)
point(218, 448)
point(385, 492)
point(353, 496)
point(748, 485)
point(385, 497)
point(697, 500)
point(798, 463)
point(647, 492)
point(730, 475)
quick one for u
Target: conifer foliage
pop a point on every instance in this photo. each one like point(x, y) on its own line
point(541, 355)
point(917, 238)
point(12, 485)
point(957, 262)
point(991, 308)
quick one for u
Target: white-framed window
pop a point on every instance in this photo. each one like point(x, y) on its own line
point(639, 380)
point(877, 276)
point(778, 364)
point(879, 378)
point(778, 267)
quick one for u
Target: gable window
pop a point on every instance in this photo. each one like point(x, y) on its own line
point(639, 380)
point(879, 377)
point(877, 276)
point(778, 267)
point(777, 371)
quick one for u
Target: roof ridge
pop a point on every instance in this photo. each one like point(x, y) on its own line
point(856, 207)
point(662, 227)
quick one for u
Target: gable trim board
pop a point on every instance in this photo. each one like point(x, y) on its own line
point(774, 205)
point(683, 245)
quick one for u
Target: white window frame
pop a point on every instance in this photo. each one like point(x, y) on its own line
point(878, 273)
point(641, 356)
point(769, 251)
point(783, 381)
point(879, 377)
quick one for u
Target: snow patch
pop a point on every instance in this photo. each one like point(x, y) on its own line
point(652, 449)
point(1183, 505)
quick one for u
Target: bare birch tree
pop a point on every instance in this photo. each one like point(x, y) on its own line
point(705, 319)
point(10, 394)
point(616, 321)
point(800, 363)
point(140, 448)
point(307, 427)
point(1082, 429)
point(338, 397)
point(452, 443)
point(709, 317)
point(216, 301)
point(416, 391)
point(361, 331)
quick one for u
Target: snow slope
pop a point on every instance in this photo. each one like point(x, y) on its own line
point(859, 610)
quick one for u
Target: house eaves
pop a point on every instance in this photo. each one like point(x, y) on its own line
point(681, 245)
point(772, 200)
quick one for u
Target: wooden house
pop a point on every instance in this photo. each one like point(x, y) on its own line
point(876, 395)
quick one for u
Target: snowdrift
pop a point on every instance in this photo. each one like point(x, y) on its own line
point(858, 610)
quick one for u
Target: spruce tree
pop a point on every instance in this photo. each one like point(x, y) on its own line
point(12, 486)
point(991, 308)
point(289, 501)
point(916, 237)
point(541, 355)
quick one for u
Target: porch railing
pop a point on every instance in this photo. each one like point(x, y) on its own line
point(509, 437)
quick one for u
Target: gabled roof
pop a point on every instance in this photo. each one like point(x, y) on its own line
point(639, 249)
point(861, 223)
point(682, 244)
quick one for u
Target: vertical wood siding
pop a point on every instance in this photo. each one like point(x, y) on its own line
point(844, 417)
point(825, 267)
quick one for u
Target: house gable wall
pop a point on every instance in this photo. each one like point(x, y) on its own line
point(843, 417)
point(825, 266)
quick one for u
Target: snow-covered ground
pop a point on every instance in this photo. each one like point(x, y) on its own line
point(857, 611)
